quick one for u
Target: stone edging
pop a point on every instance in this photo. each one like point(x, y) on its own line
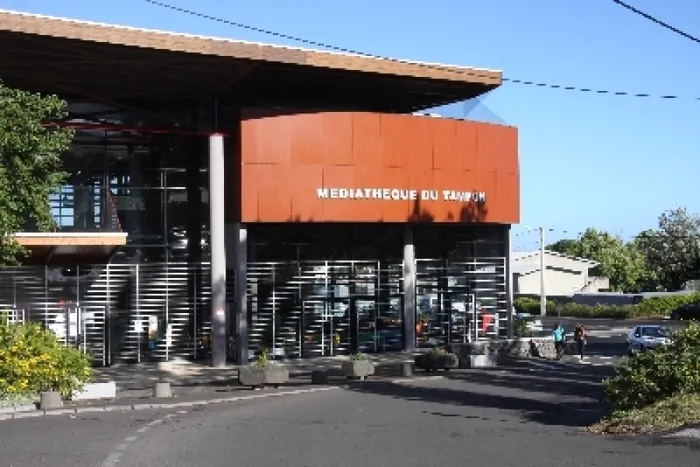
point(20, 414)
point(17, 409)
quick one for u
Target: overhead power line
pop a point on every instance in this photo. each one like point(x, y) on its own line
point(656, 20)
point(426, 65)
point(573, 235)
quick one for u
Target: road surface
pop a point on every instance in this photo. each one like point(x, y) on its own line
point(527, 417)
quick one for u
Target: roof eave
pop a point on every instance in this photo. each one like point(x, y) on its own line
point(32, 24)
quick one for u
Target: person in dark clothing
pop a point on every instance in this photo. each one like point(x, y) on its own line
point(581, 338)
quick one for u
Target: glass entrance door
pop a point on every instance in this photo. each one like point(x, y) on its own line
point(316, 329)
point(461, 318)
point(339, 330)
point(326, 328)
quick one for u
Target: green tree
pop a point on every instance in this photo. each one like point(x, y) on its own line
point(621, 262)
point(565, 246)
point(673, 250)
point(30, 164)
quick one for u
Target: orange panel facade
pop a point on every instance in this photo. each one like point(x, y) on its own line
point(366, 167)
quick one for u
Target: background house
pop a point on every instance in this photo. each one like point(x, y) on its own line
point(564, 275)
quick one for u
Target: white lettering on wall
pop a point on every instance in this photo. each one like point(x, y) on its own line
point(396, 194)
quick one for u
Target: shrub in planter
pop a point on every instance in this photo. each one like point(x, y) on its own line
point(263, 372)
point(358, 367)
point(33, 360)
point(437, 359)
point(649, 377)
point(521, 327)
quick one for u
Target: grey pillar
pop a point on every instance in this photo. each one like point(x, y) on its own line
point(217, 244)
point(509, 281)
point(409, 290)
point(241, 294)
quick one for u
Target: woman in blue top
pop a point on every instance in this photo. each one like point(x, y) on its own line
point(559, 336)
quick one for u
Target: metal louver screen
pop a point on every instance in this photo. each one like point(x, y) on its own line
point(160, 311)
point(115, 312)
point(460, 301)
point(323, 308)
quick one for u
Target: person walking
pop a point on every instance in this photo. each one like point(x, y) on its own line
point(581, 338)
point(559, 342)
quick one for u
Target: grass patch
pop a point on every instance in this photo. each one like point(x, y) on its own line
point(668, 414)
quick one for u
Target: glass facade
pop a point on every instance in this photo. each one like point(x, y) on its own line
point(152, 178)
point(312, 289)
point(335, 289)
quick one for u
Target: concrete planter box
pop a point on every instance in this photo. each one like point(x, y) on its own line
point(262, 377)
point(433, 362)
point(50, 400)
point(479, 361)
point(92, 391)
point(357, 369)
point(521, 347)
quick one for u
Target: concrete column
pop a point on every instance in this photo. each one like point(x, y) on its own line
point(509, 281)
point(409, 290)
point(217, 244)
point(241, 305)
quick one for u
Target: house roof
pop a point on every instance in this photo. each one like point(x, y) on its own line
point(88, 59)
point(520, 255)
point(524, 269)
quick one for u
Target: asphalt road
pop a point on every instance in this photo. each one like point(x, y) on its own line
point(67, 441)
point(527, 417)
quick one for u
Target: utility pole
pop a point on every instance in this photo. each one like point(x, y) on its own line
point(543, 283)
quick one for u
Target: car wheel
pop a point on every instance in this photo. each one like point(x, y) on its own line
point(675, 316)
point(642, 349)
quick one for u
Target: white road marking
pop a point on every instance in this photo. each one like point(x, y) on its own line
point(114, 457)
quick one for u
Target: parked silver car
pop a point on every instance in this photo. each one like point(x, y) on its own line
point(643, 338)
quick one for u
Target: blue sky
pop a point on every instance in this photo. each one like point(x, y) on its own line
point(613, 163)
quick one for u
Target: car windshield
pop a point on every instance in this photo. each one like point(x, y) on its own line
point(655, 332)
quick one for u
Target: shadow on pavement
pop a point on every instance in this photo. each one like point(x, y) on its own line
point(570, 414)
point(603, 348)
point(541, 381)
point(563, 370)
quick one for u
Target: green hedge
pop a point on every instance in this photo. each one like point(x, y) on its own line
point(33, 360)
point(532, 306)
point(666, 305)
point(652, 376)
point(656, 306)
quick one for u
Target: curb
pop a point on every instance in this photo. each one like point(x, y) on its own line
point(690, 433)
point(163, 406)
point(21, 414)
point(17, 409)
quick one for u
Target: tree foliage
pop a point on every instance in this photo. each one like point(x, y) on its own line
point(673, 250)
point(30, 164)
point(665, 258)
point(621, 262)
